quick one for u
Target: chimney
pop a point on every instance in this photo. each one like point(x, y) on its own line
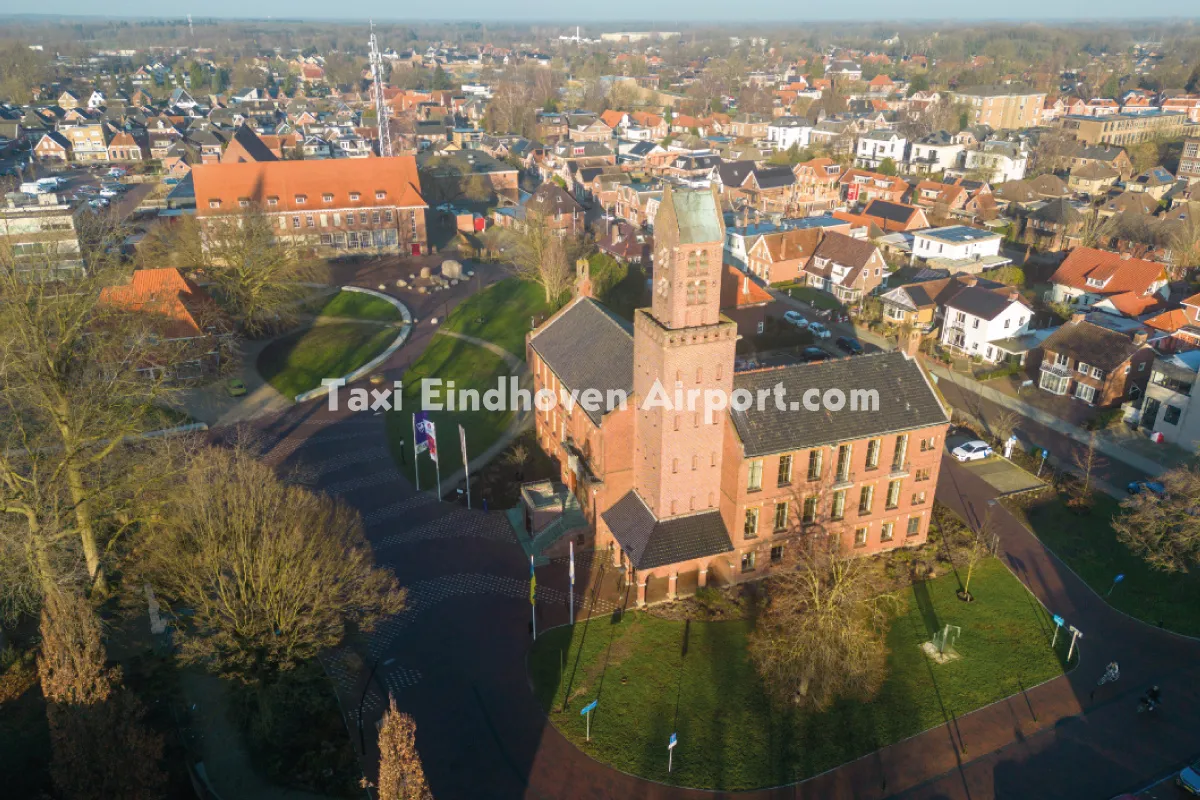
point(1125, 256)
point(1140, 337)
point(1079, 316)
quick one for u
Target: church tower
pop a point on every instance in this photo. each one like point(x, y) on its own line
point(684, 344)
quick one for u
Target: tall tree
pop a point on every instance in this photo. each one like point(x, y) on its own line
point(820, 637)
point(545, 257)
point(401, 776)
point(1164, 530)
point(270, 573)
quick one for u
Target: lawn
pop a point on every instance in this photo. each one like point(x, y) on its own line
point(297, 362)
point(356, 305)
point(501, 314)
point(470, 367)
point(655, 676)
point(1089, 546)
point(814, 297)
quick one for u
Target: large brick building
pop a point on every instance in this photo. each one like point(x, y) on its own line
point(328, 206)
point(680, 498)
point(1001, 107)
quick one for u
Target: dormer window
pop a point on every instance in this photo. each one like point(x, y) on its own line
point(354, 196)
point(214, 203)
point(379, 195)
point(327, 197)
point(272, 201)
point(244, 202)
point(301, 199)
point(1096, 283)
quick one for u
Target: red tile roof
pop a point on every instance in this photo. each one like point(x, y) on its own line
point(737, 289)
point(164, 293)
point(227, 184)
point(1124, 274)
point(1169, 321)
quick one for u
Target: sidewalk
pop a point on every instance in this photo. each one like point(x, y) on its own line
point(1104, 442)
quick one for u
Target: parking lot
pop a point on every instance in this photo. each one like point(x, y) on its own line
point(1003, 475)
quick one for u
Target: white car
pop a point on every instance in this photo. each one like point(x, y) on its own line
point(818, 330)
point(972, 451)
point(795, 318)
point(109, 191)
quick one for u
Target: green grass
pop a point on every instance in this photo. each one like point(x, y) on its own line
point(814, 297)
point(298, 362)
point(501, 314)
point(356, 305)
point(1089, 546)
point(469, 366)
point(730, 736)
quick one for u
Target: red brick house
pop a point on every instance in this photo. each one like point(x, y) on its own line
point(1181, 325)
point(680, 498)
point(1090, 360)
point(52, 147)
point(781, 256)
point(554, 204)
point(124, 147)
point(846, 267)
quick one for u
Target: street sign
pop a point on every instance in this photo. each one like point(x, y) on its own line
point(671, 751)
point(1119, 578)
point(674, 740)
point(1059, 621)
point(589, 707)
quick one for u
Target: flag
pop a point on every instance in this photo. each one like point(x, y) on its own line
point(462, 443)
point(532, 582)
point(426, 435)
point(572, 569)
point(419, 439)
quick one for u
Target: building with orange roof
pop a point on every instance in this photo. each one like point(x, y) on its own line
point(180, 313)
point(863, 186)
point(324, 205)
point(817, 185)
point(1112, 282)
point(780, 256)
point(745, 302)
point(1181, 324)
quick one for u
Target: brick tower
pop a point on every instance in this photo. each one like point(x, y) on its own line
point(684, 343)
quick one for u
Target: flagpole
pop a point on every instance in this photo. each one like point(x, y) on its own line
point(571, 594)
point(462, 440)
point(437, 463)
point(416, 452)
point(532, 596)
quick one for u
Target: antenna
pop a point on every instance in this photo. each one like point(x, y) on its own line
point(385, 132)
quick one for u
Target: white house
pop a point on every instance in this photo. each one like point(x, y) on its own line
point(1168, 407)
point(977, 318)
point(955, 242)
point(875, 146)
point(783, 132)
point(997, 161)
point(96, 100)
point(935, 152)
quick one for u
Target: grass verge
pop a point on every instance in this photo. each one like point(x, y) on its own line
point(356, 305)
point(813, 297)
point(470, 367)
point(1088, 544)
point(654, 676)
point(501, 314)
point(297, 362)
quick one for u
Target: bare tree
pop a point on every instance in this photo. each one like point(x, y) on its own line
point(258, 278)
point(543, 256)
point(1164, 530)
point(975, 544)
point(101, 748)
point(1096, 230)
point(1004, 425)
point(1087, 461)
point(270, 573)
point(820, 637)
point(401, 776)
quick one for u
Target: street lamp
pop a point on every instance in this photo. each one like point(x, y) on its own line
point(362, 741)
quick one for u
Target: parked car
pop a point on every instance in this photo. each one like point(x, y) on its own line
point(848, 345)
point(819, 331)
point(1138, 486)
point(972, 451)
point(116, 172)
point(98, 202)
point(811, 354)
point(1189, 779)
point(235, 387)
point(108, 191)
point(795, 318)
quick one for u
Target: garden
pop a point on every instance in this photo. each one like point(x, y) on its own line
point(654, 676)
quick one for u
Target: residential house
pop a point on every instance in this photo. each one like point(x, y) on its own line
point(888, 216)
point(1091, 360)
point(561, 212)
point(125, 147)
point(934, 152)
point(246, 146)
point(862, 186)
point(746, 303)
point(848, 268)
point(626, 243)
point(1005, 107)
point(89, 142)
point(747, 183)
point(978, 318)
point(923, 303)
point(181, 314)
point(878, 146)
point(1055, 225)
point(1156, 182)
point(1180, 326)
point(818, 185)
point(53, 147)
point(786, 132)
point(782, 256)
point(996, 161)
point(1168, 408)
point(326, 206)
point(1189, 160)
point(41, 234)
point(1104, 154)
point(1113, 282)
point(955, 243)
point(1092, 179)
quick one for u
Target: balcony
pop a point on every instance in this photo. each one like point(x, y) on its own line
point(1059, 371)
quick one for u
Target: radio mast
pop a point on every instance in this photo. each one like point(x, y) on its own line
point(385, 133)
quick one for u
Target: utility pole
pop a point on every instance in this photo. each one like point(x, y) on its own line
point(385, 133)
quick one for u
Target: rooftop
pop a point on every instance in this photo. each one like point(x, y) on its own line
point(957, 234)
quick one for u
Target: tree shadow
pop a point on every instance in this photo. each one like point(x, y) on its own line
point(920, 590)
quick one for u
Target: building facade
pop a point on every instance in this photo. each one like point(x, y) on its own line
point(1001, 107)
point(372, 205)
point(1126, 128)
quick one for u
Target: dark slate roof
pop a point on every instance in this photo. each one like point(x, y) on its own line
point(588, 347)
point(906, 401)
point(1091, 344)
point(774, 177)
point(253, 145)
point(892, 212)
point(650, 542)
point(734, 173)
point(979, 302)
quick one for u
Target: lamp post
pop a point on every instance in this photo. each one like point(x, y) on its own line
point(362, 741)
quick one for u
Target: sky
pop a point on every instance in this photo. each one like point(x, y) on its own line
point(639, 10)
